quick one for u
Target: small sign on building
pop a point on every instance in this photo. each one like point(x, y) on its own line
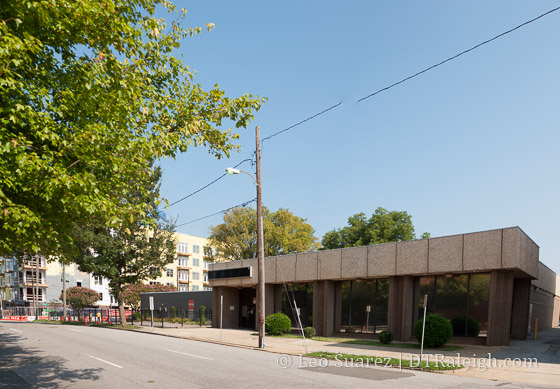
point(191, 304)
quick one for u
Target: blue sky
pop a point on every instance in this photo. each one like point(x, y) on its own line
point(469, 146)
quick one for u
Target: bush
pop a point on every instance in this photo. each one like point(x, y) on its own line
point(277, 324)
point(173, 312)
point(309, 332)
point(438, 330)
point(202, 318)
point(386, 337)
point(458, 323)
point(136, 316)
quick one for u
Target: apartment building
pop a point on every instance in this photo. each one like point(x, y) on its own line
point(189, 272)
point(9, 279)
point(36, 279)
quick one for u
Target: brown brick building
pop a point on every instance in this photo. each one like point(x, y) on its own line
point(490, 284)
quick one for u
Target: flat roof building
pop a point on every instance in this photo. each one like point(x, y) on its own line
point(490, 284)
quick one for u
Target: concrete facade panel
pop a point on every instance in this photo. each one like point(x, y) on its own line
point(483, 250)
point(412, 257)
point(519, 252)
point(382, 260)
point(354, 262)
point(546, 279)
point(446, 254)
point(270, 269)
point(286, 268)
point(306, 266)
point(330, 265)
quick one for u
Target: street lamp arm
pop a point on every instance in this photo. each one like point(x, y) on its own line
point(232, 171)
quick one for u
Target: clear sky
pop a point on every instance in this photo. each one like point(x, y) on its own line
point(468, 146)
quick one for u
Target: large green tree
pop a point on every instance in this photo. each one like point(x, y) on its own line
point(91, 93)
point(284, 233)
point(135, 251)
point(382, 227)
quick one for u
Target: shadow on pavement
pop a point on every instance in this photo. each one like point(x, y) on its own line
point(24, 368)
point(546, 348)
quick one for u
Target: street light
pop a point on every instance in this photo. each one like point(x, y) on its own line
point(260, 236)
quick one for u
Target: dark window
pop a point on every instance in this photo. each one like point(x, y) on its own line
point(300, 296)
point(364, 305)
point(457, 298)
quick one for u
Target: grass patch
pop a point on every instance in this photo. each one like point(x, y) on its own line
point(366, 342)
point(363, 342)
point(353, 360)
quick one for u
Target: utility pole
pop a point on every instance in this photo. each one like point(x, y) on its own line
point(63, 291)
point(37, 259)
point(260, 240)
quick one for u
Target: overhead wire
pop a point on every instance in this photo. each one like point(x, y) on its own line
point(458, 55)
point(362, 99)
point(301, 122)
point(217, 213)
point(207, 185)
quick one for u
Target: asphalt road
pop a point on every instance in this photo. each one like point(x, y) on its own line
point(64, 356)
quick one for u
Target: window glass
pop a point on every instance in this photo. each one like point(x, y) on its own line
point(364, 306)
point(302, 294)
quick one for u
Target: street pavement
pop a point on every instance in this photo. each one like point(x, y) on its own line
point(34, 355)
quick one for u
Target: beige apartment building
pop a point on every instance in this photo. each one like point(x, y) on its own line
point(189, 271)
point(493, 278)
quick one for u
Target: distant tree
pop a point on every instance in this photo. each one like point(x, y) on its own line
point(382, 227)
point(131, 292)
point(79, 297)
point(284, 233)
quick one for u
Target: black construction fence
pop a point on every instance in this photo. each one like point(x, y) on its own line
point(172, 317)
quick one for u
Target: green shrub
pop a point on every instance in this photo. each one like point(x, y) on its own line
point(458, 323)
point(173, 312)
point(309, 332)
point(202, 311)
point(136, 316)
point(277, 324)
point(438, 330)
point(386, 337)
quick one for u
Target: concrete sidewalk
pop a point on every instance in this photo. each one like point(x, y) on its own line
point(546, 372)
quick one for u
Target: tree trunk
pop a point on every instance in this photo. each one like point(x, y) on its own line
point(117, 291)
point(121, 313)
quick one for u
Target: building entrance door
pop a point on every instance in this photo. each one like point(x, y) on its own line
point(247, 308)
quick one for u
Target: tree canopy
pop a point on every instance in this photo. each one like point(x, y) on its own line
point(91, 93)
point(134, 252)
point(79, 297)
point(382, 227)
point(131, 292)
point(284, 233)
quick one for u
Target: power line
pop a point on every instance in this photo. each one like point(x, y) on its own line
point(303, 121)
point(250, 159)
point(458, 55)
point(217, 213)
point(207, 185)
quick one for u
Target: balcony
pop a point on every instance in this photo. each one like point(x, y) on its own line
point(34, 265)
point(183, 281)
point(30, 297)
point(30, 281)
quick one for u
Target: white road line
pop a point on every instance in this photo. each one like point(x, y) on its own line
point(107, 362)
point(71, 329)
point(13, 329)
point(190, 355)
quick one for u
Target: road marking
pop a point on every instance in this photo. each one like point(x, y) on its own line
point(107, 362)
point(71, 329)
point(13, 329)
point(190, 355)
